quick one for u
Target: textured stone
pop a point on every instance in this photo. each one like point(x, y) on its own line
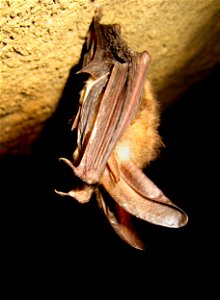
point(42, 40)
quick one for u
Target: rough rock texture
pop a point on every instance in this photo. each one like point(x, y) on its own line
point(42, 40)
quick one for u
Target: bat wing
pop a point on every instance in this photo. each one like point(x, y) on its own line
point(109, 101)
point(104, 122)
point(139, 196)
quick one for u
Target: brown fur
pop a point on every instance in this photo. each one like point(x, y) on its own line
point(141, 138)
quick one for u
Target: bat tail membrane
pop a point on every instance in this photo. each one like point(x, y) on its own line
point(120, 220)
point(139, 196)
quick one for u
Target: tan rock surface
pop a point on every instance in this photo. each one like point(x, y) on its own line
point(42, 40)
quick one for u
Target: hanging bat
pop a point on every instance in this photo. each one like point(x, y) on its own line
point(117, 136)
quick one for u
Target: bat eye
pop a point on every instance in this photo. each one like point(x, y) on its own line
point(124, 153)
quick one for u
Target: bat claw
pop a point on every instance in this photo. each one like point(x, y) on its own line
point(79, 171)
point(98, 12)
point(68, 162)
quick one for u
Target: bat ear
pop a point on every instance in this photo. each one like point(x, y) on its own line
point(139, 196)
point(120, 220)
point(82, 194)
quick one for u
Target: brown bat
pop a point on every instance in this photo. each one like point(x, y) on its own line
point(117, 136)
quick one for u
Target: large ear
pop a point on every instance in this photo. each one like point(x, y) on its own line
point(139, 196)
point(120, 220)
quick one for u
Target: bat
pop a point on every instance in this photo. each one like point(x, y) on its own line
point(117, 136)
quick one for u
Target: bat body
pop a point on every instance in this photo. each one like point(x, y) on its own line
point(117, 136)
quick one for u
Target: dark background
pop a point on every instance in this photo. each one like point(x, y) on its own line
point(52, 240)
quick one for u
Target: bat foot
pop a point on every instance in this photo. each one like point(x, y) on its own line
point(98, 12)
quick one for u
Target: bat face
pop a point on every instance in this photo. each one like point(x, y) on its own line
point(117, 136)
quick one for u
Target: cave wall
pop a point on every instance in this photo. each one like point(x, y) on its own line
point(42, 40)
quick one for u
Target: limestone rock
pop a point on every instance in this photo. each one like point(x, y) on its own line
point(42, 40)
